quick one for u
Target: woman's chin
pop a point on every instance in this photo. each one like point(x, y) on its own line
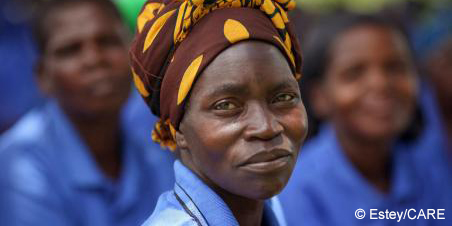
point(265, 191)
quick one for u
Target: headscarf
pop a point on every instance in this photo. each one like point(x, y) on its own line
point(176, 40)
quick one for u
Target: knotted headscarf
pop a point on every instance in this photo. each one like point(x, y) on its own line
point(177, 39)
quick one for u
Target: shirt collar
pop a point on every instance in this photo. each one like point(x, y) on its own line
point(76, 157)
point(83, 171)
point(403, 180)
point(210, 205)
point(129, 182)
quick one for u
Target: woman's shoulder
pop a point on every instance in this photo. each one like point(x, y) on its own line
point(30, 130)
point(169, 211)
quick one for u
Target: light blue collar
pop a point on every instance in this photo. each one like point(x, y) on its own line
point(403, 185)
point(205, 205)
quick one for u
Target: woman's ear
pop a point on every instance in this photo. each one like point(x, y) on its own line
point(319, 100)
point(42, 78)
point(181, 141)
point(182, 151)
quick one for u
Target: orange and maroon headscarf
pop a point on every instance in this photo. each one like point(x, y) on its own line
point(177, 39)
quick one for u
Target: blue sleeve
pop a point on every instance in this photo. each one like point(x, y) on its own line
point(29, 196)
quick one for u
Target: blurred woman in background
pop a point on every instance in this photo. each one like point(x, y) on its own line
point(360, 80)
point(74, 161)
point(434, 146)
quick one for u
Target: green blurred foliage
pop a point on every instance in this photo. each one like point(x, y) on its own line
point(130, 10)
point(360, 6)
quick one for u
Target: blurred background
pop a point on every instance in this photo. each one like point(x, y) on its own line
point(427, 24)
point(427, 21)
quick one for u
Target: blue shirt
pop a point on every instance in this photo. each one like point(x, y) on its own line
point(433, 149)
point(433, 139)
point(192, 202)
point(327, 189)
point(48, 176)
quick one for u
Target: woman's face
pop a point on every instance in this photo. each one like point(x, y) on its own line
point(369, 88)
point(440, 70)
point(84, 64)
point(244, 123)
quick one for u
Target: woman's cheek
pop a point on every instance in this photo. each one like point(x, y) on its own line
point(297, 125)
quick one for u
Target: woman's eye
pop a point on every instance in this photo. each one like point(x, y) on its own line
point(109, 41)
point(396, 68)
point(354, 73)
point(225, 105)
point(284, 97)
point(68, 50)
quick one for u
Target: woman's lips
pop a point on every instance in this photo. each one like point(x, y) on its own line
point(267, 161)
point(101, 83)
point(103, 89)
point(381, 107)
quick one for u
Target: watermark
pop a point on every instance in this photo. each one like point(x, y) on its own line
point(411, 214)
point(360, 213)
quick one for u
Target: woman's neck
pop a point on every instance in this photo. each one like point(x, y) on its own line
point(371, 158)
point(248, 212)
point(102, 136)
point(445, 108)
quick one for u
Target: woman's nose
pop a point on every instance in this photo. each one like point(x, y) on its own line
point(379, 80)
point(93, 55)
point(262, 124)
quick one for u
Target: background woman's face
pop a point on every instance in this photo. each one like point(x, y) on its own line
point(369, 88)
point(245, 122)
point(85, 62)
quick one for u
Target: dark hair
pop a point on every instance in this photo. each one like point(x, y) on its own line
point(317, 55)
point(322, 37)
point(48, 8)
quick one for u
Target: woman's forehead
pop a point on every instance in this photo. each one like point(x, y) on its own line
point(243, 66)
point(246, 57)
point(79, 15)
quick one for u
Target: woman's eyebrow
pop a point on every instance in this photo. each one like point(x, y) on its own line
point(228, 88)
point(242, 90)
point(284, 84)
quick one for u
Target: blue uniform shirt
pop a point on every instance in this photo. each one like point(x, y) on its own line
point(433, 139)
point(433, 149)
point(326, 189)
point(48, 176)
point(192, 202)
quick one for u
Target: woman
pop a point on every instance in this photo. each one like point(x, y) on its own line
point(362, 83)
point(74, 161)
point(222, 78)
point(434, 148)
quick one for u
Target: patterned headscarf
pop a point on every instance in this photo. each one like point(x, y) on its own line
point(177, 39)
